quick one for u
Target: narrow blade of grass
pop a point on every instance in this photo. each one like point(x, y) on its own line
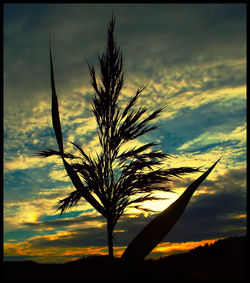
point(58, 132)
point(79, 186)
point(55, 110)
point(159, 227)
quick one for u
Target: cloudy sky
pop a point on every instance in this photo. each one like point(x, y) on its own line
point(192, 58)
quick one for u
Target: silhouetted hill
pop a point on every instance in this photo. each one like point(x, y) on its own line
point(223, 260)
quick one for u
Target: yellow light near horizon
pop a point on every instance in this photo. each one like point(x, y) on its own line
point(61, 255)
point(168, 248)
point(159, 205)
point(33, 217)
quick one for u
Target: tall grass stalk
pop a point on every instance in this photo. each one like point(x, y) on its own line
point(114, 179)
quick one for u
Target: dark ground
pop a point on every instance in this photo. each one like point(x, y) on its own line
point(224, 260)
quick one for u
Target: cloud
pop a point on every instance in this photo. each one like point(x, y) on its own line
point(172, 29)
point(24, 251)
point(195, 65)
point(168, 248)
point(189, 124)
point(17, 251)
point(214, 215)
point(18, 212)
point(24, 205)
point(213, 137)
point(212, 212)
point(24, 162)
point(89, 124)
point(205, 79)
point(86, 220)
point(218, 211)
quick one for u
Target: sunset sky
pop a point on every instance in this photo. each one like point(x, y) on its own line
point(191, 57)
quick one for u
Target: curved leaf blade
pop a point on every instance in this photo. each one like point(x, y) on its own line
point(158, 228)
point(79, 186)
point(58, 132)
point(55, 110)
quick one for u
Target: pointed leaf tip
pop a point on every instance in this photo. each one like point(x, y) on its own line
point(55, 109)
point(159, 227)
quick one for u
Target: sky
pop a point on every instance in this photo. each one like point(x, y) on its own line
point(192, 59)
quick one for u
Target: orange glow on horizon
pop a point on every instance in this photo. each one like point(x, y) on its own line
point(168, 248)
point(61, 255)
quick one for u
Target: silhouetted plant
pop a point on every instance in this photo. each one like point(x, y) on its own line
point(115, 179)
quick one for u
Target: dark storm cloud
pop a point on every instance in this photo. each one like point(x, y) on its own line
point(208, 216)
point(186, 34)
point(64, 222)
point(151, 35)
point(84, 237)
point(26, 48)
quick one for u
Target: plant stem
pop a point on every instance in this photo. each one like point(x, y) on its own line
point(110, 237)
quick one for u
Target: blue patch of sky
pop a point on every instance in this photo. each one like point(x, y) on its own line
point(68, 214)
point(210, 146)
point(46, 134)
point(242, 157)
point(191, 123)
point(25, 143)
point(25, 233)
point(17, 258)
point(25, 184)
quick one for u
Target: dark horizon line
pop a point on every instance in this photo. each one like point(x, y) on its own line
point(92, 258)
